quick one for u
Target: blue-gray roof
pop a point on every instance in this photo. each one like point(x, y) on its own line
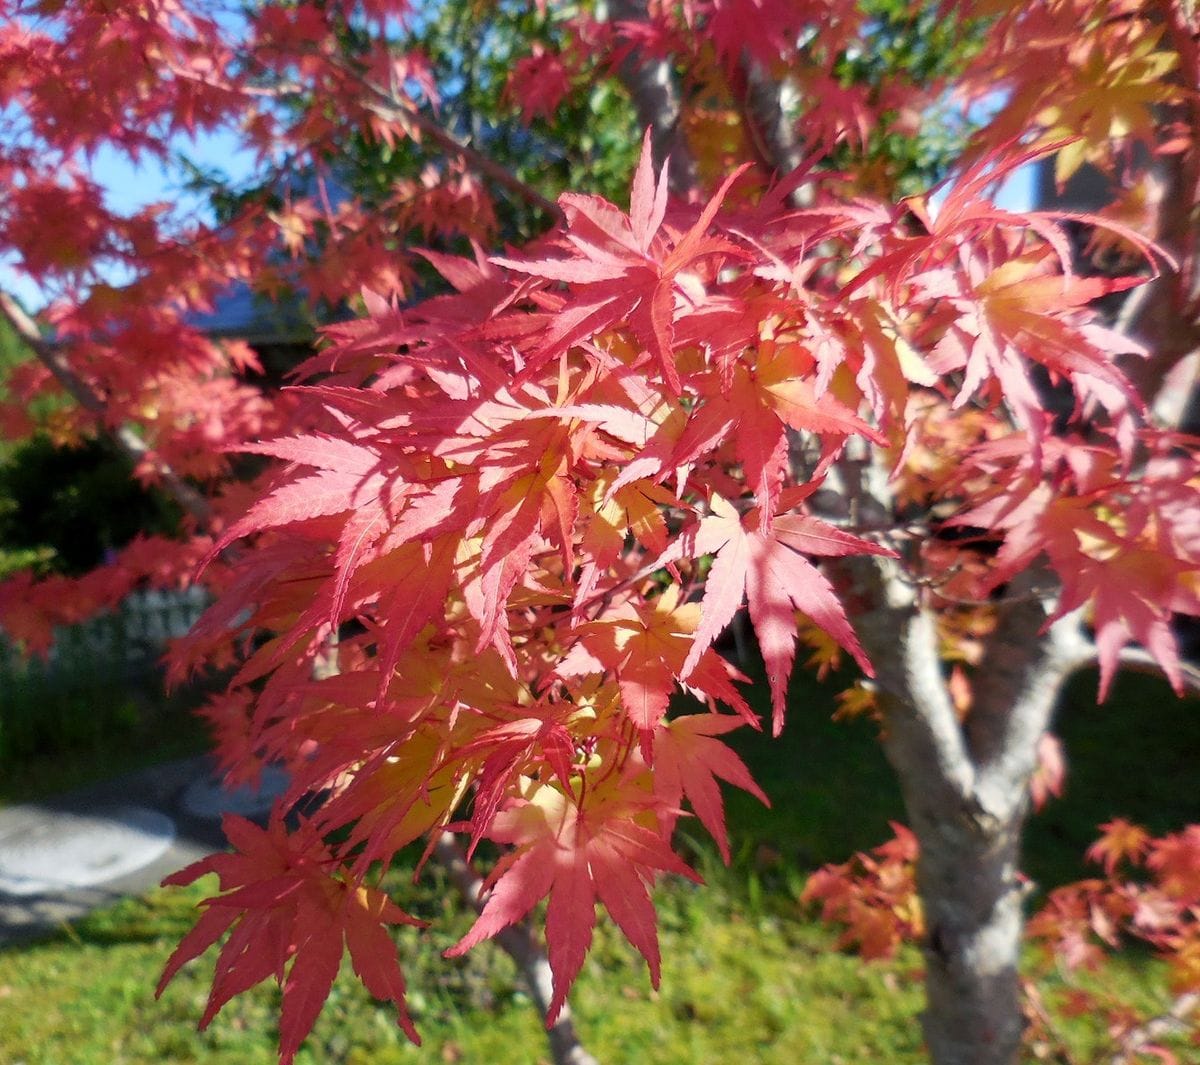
point(242, 313)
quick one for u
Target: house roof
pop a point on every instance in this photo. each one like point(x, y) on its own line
point(242, 313)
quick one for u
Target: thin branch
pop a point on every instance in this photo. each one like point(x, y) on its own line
point(518, 942)
point(924, 738)
point(391, 109)
point(1020, 679)
point(128, 442)
point(385, 106)
point(1084, 653)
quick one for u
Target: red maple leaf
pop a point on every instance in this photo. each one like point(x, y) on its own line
point(688, 762)
point(1175, 860)
point(770, 569)
point(578, 854)
point(1121, 841)
point(538, 82)
point(645, 646)
point(281, 905)
point(625, 268)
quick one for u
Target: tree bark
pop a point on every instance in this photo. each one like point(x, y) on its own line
point(967, 878)
point(967, 866)
point(652, 85)
point(965, 788)
point(519, 943)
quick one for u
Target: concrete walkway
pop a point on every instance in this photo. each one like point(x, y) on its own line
point(61, 857)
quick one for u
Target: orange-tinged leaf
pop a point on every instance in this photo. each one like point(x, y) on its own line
point(688, 761)
point(1120, 841)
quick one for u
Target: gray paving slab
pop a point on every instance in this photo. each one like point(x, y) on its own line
point(206, 797)
point(44, 851)
point(62, 857)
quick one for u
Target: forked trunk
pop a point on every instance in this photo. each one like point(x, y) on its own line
point(965, 786)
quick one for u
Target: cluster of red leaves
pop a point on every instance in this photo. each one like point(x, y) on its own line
point(30, 609)
point(540, 81)
point(525, 512)
point(287, 913)
point(1150, 892)
point(529, 508)
point(129, 287)
point(1097, 73)
point(873, 895)
point(1123, 546)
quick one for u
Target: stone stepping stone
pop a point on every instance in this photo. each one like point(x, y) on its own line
point(45, 851)
point(207, 799)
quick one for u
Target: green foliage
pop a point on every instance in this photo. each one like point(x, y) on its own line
point(922, 45)
point(12, 351)
point(39, 717)
point(588, 145)
point(13, 354)
point(62, 508)
point(86, 716)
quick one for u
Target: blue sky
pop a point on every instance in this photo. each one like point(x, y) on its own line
point(1016, 194)
point(130, 187)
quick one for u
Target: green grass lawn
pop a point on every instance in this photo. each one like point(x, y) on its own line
point(748, 975)
point(77, 736)
point(741, 983)
point(738, 985)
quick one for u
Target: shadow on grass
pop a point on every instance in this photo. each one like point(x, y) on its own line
point(831, 788)
point(118, 921)
point(1137, 756)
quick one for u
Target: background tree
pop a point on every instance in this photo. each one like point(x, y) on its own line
point(525, 510)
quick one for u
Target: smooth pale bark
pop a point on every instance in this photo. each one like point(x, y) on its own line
point(965, 790)
point(967, 878)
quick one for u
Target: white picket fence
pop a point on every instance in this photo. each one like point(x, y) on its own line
point(121, 643)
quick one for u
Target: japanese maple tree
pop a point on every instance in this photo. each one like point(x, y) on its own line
point(478, 596)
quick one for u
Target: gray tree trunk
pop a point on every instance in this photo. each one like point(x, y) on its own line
point(965, 787)
point(652, 86)
point(967, 880)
